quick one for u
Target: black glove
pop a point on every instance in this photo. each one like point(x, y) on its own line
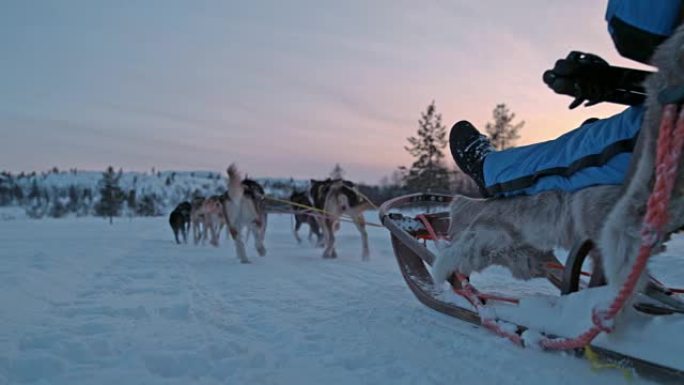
point(587, 77)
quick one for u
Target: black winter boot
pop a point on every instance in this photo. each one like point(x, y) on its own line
point(469, 148)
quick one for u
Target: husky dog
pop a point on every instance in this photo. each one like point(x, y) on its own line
point(620, 239)
point(244, 206)
point(338, 197)
point(303, 215)
point(520, 232)
point(210, 215)
point(179, 219)
point(197, 219)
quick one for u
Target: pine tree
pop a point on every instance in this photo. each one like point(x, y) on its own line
point(18, 194)
point(337, 172)
point(131, 200)
point(35, 193)
point(5, 189)
point(427, 171)
point(147, 206)
point(503, 133)
point(111, 196)
point(57, 208)
point(74, 196)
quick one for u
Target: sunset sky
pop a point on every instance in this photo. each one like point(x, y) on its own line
point(284, 88)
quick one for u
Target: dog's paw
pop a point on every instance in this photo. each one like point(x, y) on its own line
point(261, 250)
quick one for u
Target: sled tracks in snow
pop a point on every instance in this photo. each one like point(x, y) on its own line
point(409, 235)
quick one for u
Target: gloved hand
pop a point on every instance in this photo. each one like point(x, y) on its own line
point(587, 77)
point(573, 76)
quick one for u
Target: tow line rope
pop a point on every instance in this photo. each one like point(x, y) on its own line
point(316, 211)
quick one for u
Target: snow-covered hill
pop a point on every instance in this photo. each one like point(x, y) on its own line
point(75, 192)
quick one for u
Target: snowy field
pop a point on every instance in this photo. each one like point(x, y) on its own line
point(83, 302)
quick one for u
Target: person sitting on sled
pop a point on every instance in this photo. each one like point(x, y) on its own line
point(596, 153)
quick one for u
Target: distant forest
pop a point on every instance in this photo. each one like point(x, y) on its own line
point(58, 194)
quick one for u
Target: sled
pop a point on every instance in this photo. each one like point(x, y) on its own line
point(409, 237)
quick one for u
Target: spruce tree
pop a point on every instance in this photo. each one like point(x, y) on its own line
point(57, 208)
point(147, 205)
point(502, 132)
point(5, 189)
point(427, 172)
point(131, 201)
point(18, 194)
point(34, 193)
point(74, 196)
point(111, 196)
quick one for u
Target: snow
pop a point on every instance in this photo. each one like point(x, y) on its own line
point(85, 302)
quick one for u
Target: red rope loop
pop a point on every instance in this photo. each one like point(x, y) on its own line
point(602, 321)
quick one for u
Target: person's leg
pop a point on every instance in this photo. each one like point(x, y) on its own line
point(595, 153)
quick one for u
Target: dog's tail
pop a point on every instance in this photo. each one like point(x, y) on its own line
point(235, 189)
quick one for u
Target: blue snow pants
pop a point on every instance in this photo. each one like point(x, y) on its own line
point(596, 153)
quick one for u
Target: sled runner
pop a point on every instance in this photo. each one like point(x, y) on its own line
point(504, 315)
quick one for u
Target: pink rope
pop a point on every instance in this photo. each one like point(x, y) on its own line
point(473, 296)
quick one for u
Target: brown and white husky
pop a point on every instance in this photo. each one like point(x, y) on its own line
point(338, 197)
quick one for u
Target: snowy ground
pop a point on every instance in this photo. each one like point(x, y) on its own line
point(83, 302)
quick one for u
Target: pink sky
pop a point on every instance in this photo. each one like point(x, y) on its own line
point(282, 89)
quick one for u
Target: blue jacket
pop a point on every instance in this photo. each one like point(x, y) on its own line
point(639, 26)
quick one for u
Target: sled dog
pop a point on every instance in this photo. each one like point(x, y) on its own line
point(207, 219)
point(244, 207)
point(338, 197)
point(303, 215)
point(179, 219)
